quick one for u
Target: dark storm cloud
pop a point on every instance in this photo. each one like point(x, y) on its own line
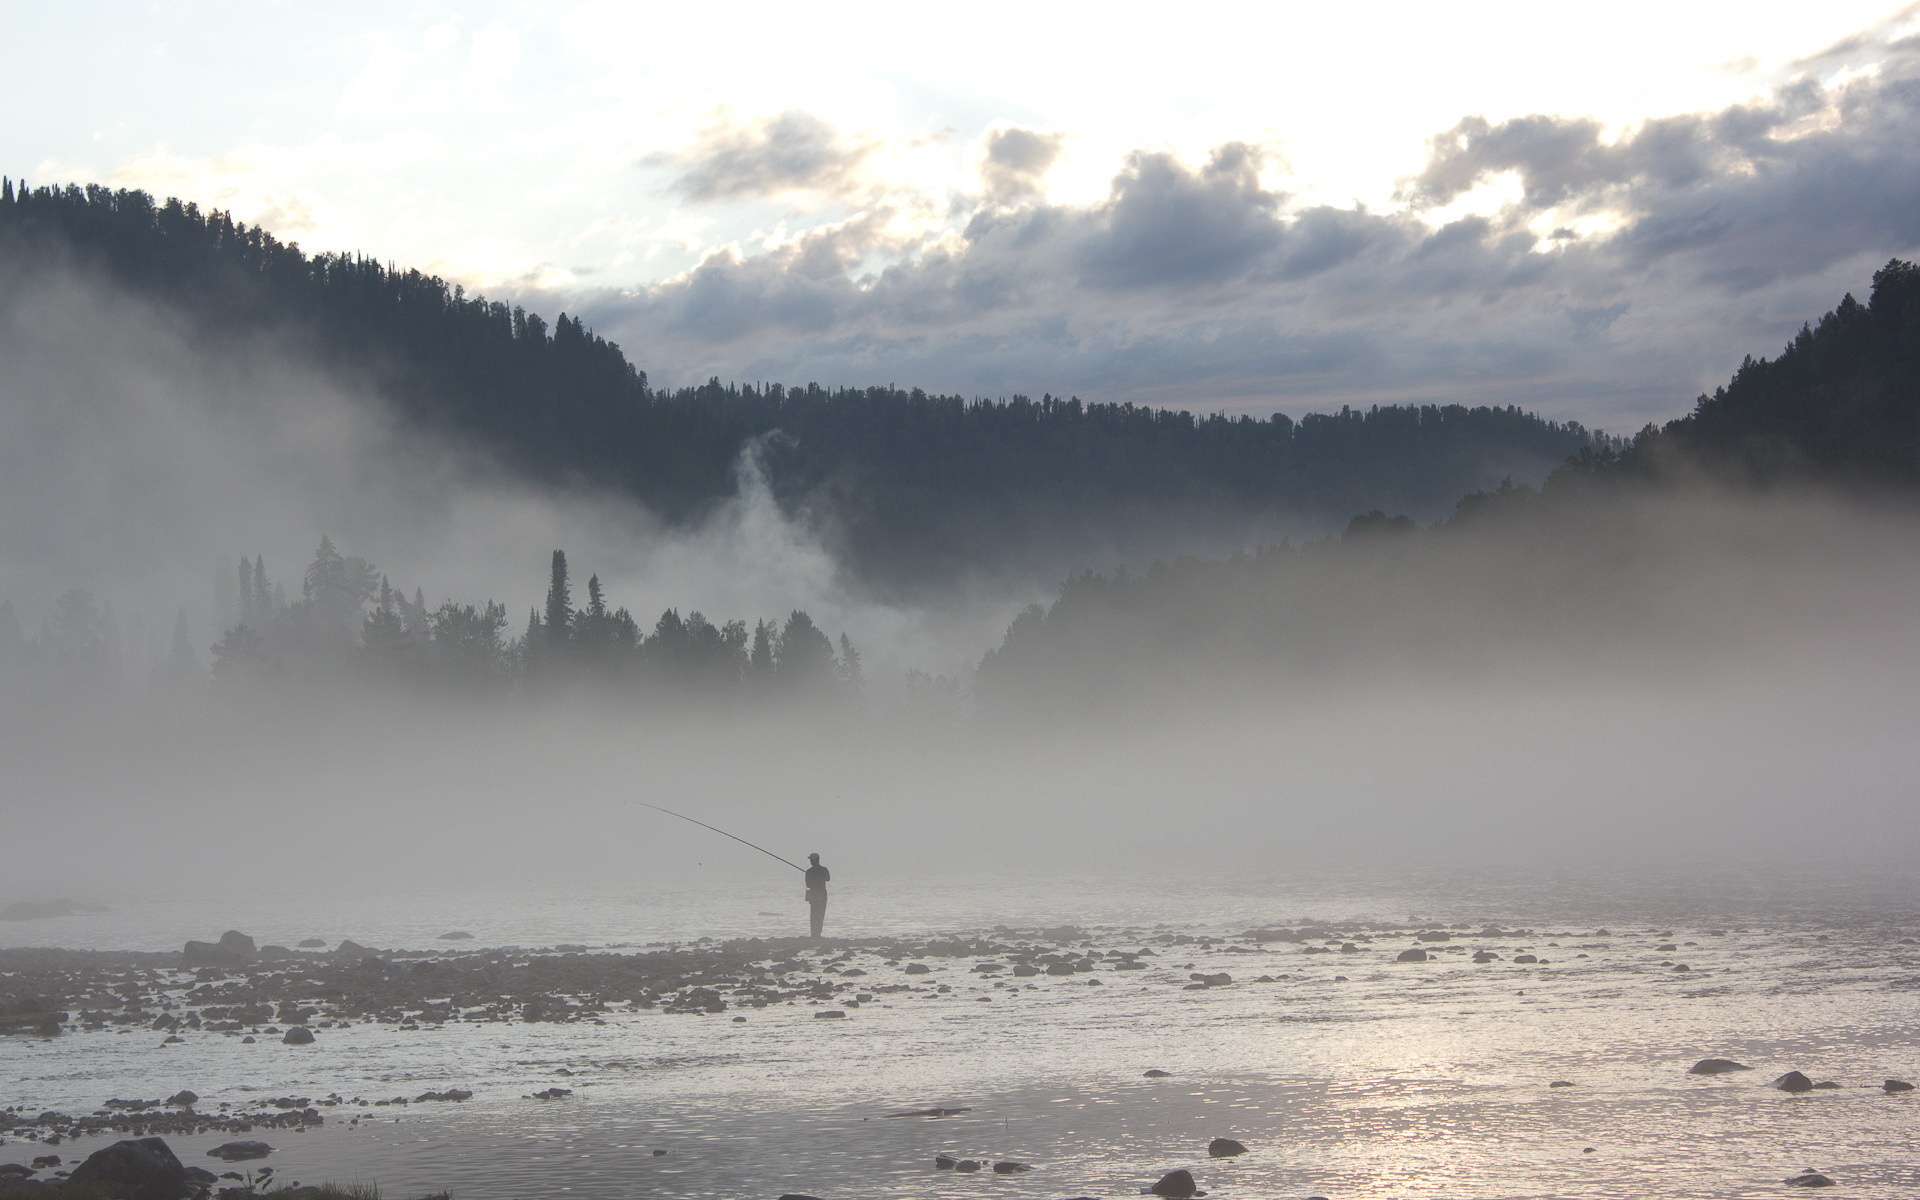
point(1016, 161)
point(1197, 285)
point(794, 151)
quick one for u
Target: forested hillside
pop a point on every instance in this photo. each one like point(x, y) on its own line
point(1697, 534)
point(914, 489)
point(1841, 401)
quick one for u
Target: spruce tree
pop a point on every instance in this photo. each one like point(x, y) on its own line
point(559, 616)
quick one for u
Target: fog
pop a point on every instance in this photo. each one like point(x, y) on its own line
point(1716, 677)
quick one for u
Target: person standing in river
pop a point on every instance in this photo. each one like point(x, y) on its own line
point(817, 877)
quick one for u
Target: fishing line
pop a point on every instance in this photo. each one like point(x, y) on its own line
point(723, 833)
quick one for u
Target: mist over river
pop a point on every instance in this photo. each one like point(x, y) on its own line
point(1345, 1072)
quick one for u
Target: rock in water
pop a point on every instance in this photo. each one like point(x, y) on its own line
point(236, 943)
point(458, 935)
point(1224, 1148)
point(1177, 1185)
point(299, 1035)
point(1414, 955)
point(15, 1171)
point(1010, 1168)
point(830, 1014)
point(944, 1161)
point(140, 1169)
point(966, 1165)
point(798, 1196)
point(1808, 1179)
point(1716, 1066)
point(240, 1151)
point(1792, 1081)
point(310, 943)
point(1157, 1073)
point(183, 1099)
point(1896, 1085)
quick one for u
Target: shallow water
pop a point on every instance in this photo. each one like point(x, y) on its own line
point(1404, 1079)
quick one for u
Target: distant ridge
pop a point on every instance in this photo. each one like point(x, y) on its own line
point(916, 489)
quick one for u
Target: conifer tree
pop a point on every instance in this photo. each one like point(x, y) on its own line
point(559, 616)
point(760, 667)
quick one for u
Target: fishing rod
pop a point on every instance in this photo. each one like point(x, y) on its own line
point(723, 833)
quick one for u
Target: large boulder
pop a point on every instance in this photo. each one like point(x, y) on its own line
point(1177, 1185)
point(1716, 1066)
point(137, 1168)
point(1792, 1081)
point(299, 1035)
point(1224, 1148)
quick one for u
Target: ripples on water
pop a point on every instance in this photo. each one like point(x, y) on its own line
point(1416, 1079)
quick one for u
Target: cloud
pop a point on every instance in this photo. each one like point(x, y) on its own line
point(1016, 161)
point(1624, 275)
point(774, 156)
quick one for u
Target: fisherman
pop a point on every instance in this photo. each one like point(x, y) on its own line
point(817, 877)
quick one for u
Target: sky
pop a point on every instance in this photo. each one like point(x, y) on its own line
point(1591, 212)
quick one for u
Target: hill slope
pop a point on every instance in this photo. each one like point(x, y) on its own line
point(1752, 523)
point(916, 489)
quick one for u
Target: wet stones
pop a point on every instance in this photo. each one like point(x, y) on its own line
point(138, 1168)
point(1177, 1185)
point(455, 1095)
point(232, 950)
point(1793, 1082)
point(1224, 1148)
point(1716, 1066)
point(240, 1151)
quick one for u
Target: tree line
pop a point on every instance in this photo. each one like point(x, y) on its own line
point(346, 622)
point(924, 487)
point(1549, 577)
